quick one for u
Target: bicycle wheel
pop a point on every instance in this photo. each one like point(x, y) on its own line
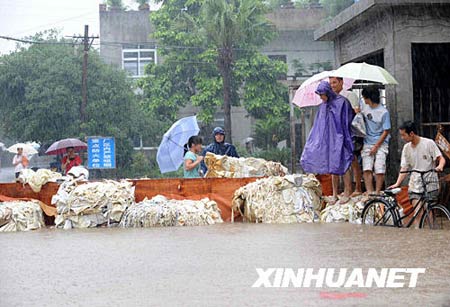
point(377, 212)
point(437, 217)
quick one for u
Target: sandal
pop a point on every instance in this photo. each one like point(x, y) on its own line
point(356, 194)
point(344, 200)
point(332, 200)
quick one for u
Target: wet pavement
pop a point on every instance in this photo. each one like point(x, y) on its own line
point(215, 265)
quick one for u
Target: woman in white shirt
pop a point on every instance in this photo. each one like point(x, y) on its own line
point(20, 161)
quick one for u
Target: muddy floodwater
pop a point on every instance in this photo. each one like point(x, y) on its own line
point(215, 265)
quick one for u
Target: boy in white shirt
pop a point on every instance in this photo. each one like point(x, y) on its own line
point(419, 154)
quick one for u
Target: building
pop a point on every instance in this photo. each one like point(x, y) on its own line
point(411, 39)
point(295, 41)
point(125, 41)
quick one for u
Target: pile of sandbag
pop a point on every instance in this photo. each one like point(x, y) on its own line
point(348, 212)
point(160, 211)
point(229, 167)
point(288, 199)
point(20, 216)
point(39, 178)
point(92, 204)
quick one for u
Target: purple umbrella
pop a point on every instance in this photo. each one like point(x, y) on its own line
point(60, 147)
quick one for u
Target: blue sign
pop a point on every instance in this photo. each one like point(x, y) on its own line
point(101, 152)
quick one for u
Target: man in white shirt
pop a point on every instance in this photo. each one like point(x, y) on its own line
point(419, 154)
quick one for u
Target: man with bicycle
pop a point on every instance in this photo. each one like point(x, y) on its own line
point(420, 154)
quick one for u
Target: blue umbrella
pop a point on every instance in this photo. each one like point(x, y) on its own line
point(171, 150)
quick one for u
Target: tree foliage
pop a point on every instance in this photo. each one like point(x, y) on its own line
point(40, 97)
point(211, 58)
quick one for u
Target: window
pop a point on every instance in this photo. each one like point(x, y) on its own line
point(135, 57)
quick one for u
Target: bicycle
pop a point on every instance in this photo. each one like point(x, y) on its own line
point(383, 210)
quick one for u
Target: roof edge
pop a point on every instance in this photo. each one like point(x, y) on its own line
point(329, 30)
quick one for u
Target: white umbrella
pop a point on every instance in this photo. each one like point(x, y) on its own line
point(306, 95)
point(28, 149)
point(364, 71)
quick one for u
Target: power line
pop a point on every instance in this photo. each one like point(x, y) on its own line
point(53, 23)
point(25, 41)
point(160, 47)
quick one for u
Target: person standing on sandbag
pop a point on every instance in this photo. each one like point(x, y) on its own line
point(219, 147)
point(329, 148)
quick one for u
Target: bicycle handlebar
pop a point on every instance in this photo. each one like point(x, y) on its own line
point(417, 171)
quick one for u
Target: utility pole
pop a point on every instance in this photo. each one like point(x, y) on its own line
point(87, 43)
point(292, 90)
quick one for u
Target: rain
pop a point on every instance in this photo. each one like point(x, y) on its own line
point(224, 152)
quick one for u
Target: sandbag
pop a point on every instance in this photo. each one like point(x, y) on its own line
point(39, 178)
point(92, 204)
point(160, 211)
point(348, 212)
point(20, 216)
point(230, 167)
point(288, 199)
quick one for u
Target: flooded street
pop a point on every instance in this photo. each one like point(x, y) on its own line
point(215, 265)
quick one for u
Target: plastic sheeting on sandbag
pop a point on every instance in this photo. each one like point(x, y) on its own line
point(348, 212)
point(20, 216)
point(288, 199)
point(92, 204)
point(39, 178)
point(230, 167)
point(160, 211)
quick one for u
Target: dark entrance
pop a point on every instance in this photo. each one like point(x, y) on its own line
point(376, 58)
point(431, 83)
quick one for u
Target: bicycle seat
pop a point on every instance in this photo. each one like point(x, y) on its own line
point(393, 191)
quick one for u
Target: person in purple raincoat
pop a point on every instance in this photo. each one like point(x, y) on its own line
point(329, 148)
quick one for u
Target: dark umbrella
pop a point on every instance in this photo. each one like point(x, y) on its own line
point(60, 147)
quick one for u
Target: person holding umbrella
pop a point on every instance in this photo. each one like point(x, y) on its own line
point(20, 161)
point(191, 158)
point(68, 147)
point(70, 160)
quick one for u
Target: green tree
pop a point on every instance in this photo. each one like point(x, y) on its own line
point(334, 7)
point(40, 97)
point(211, 59)
point(115, 3)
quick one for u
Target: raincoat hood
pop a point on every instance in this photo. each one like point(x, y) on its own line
point(324, 88)
point(218, 130)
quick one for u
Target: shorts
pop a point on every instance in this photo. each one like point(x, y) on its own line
point(375, 163)
point(432, 195)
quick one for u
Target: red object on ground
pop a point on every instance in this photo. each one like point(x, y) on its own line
point(341, 296)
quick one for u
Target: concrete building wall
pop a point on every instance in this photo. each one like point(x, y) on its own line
point(119, 27)
point(391, 29)
point(295, 37)
point(300, 45)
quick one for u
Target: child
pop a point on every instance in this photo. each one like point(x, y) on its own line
point(191, 159)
